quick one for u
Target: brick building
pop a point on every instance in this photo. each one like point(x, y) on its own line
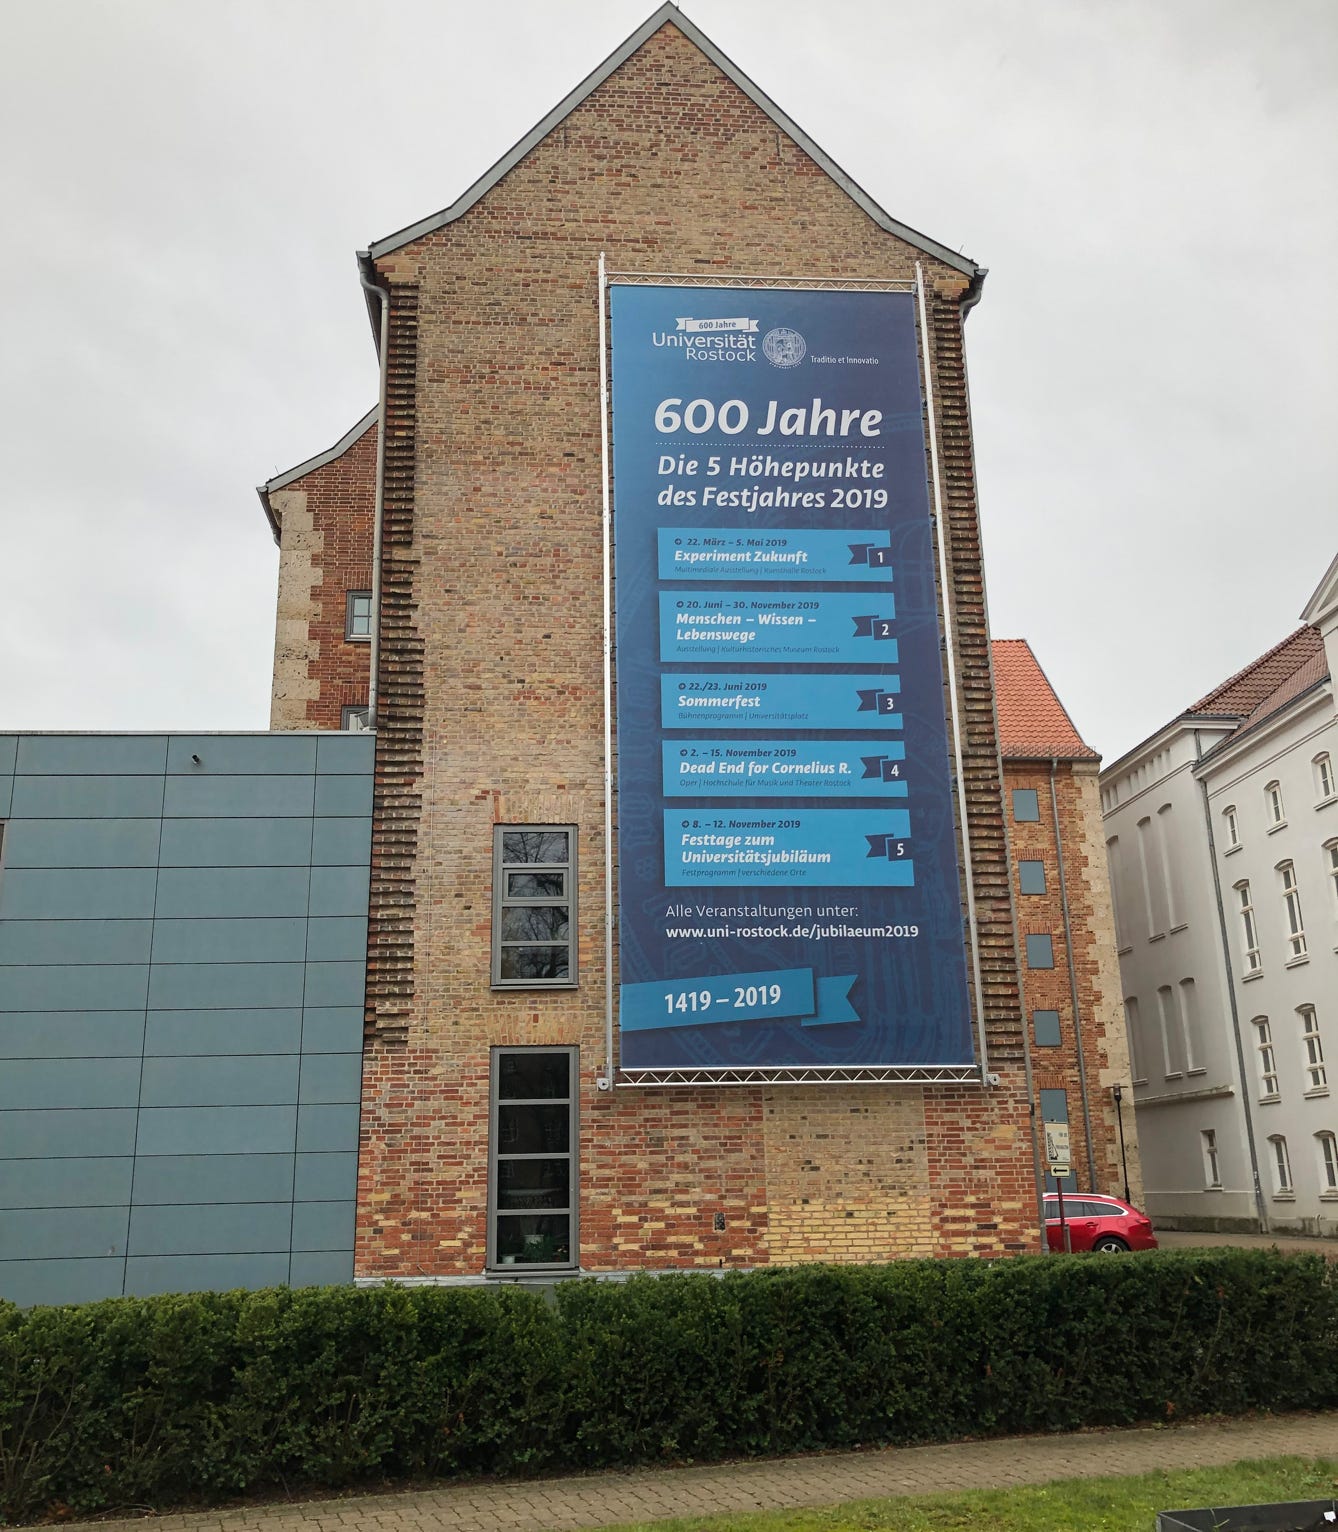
point(1066, 933)
point(457, 561)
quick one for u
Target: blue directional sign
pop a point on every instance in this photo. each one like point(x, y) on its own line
point(789, 892)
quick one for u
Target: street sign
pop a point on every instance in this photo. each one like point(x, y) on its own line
point(1057, 1148)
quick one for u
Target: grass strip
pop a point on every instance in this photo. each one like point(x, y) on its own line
point(1066, 1505)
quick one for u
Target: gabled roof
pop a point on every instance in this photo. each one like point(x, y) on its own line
point(291, 475)
point(1285, 672)
point(667, 14)
point(1256, 686)
point(1033, 724)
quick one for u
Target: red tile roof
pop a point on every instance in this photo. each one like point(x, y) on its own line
point(1271, 681)
point(1032, 722)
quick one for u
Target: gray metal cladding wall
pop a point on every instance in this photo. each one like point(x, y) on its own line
point(182, 954)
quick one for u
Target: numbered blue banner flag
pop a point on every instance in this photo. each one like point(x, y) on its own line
point(789, 895)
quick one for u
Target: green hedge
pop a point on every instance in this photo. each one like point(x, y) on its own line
point(198, 1397)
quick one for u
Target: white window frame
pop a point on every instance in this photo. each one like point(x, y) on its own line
point(1331, 852)
point(353, 720)
point(502, 899)
point(1326, 785)
point(1254, 963)
point(350, 597)
point(1268, 1062)
point(1274, 808)
point(1326, 1150)
point(1232, 821)
point(1291, 909)
point(1312, 1052)
point(1212, 1168)
point(1283, 1186)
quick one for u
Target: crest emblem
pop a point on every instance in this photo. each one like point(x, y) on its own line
point(784, 347)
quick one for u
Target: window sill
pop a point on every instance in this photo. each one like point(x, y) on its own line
point(1254, 973)
point(1284, 1196)
point(1273, 1100)
point(1202, 1070)
point(1159, 937)
point(1297, 962)
point(1324, 803)
point(1232, 850)
point(530, 989)
point(1213, 1186)
point(1126, 950)
point(1273, 829)
point(1174, 1075)
point(357, 638)
point(1183, 926)
point(1316, 1093)
point(1328, 1196)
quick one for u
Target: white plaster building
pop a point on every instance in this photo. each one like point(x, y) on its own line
point(1222, 839)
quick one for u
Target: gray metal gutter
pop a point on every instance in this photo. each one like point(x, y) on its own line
point(670, 15)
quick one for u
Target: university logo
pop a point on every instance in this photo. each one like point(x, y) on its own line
point(783, 347)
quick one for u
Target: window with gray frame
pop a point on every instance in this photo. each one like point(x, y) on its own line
point(533, 906)
point(1026, 805)
point(532, 1165)
point(1045, 1028)
point(358, 616)
point(1040, 951)
point(1031, 877)
point(355, 719)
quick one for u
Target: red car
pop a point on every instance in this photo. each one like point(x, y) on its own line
point(1097, 1223)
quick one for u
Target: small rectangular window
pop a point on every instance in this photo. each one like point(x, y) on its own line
point(534, 906)
point(1212, 1171)
point(532, 1169)
point(356, 719)
point(1282, 1167)
point(1324, 780)
point(1040, 952)
point(1045, 1028)
point(358, 616)
point(1327, 1145)
point(1026, 805)
point(1031, 877)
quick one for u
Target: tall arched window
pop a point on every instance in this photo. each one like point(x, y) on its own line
point(1291, 908)
point(1231, 827)
point(1249, 931)
point(1327, 1145)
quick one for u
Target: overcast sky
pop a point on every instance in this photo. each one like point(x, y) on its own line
point(184, 185)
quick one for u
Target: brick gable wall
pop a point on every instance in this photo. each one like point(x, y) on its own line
point(325, 551)
point(492, 712)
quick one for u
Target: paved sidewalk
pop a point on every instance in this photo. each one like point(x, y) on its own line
point(649, 1495)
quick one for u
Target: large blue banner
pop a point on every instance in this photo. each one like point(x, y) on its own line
point(789, 894)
